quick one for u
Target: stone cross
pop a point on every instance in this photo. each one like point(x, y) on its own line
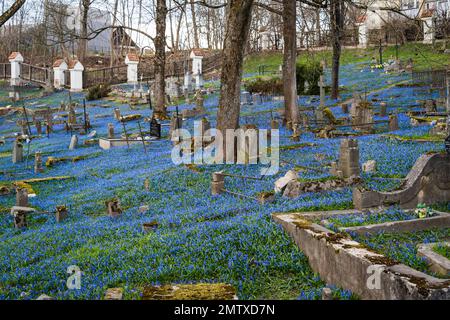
point(17, 155)
point(38, 162)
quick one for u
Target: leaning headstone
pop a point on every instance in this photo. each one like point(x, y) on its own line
point(257, 98)
point(281, 183)
point(113, 207)
point(393, 122)
point(38, 162)
point(17, 154)
point(110, 131)
point(45, 297)
point(21, 197)
point(61, 213)
point(73, 142)
point(327, 294)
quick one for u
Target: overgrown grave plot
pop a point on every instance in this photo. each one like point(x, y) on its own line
point(341, 260)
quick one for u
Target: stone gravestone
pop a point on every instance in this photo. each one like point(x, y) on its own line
point(20, 216)
point(73, 142)
point(246, 98)
point(155, 128)
point(383, 109)
point(61, 213)
point(217, 183)
point(257, 98)
point(199, 102)
point(113, 207)
point(21, 197)
point(110, 131)
point(344, 108)
point(38, 162)
point(393, 122)
point(17, 154)
point(362, 116)
point(348, 163)
point(117, 115)
point(430, 106)
point(23, 127)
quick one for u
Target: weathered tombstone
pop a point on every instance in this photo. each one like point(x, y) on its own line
point(274, 125)
point(369, 166)
point(17, 154)
point(21, 197)
point(383, 109)
point(73, 142)
point(246, 98)
point(393, 122)
point(348, 164)
point(114, 294)
point(199, 102)
point(362, 116)
point(20, 216)
point(217, 183)
point(176, 122)
point(148, 227)
point(117, 114)
point(113, 207)
point(61, 213)
point(38, 162)
point(155, 128)
point(430, 106)
point(110, 131)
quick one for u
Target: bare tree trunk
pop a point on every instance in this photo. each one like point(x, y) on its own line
point(82, 43)
point(337, 24)
point(289, 61)
point(11, 11)
point(112, 39)
point(160, 60)
point(194, 25)
point(237, 29)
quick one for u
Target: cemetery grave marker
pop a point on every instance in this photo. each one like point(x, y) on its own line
point(113, 207)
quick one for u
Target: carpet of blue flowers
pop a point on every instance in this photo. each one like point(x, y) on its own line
point(200, 238)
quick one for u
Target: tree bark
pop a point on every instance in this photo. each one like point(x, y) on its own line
point(237, 29)
point(112, 38)
point(11, 11)
point(160, 60)
point(289, 61)
point(82, 43)
point(337, 24)
point(194, 25)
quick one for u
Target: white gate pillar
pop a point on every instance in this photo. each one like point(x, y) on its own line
point(132, 61)
point(76, 75)
point(428, 30)
point(15, 59)
point(59, 79)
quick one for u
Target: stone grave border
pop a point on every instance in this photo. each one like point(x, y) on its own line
point(437, 262)
point(440, 220)
point(344, 262)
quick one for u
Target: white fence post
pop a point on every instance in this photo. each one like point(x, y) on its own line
point(15, 59)
point(132, 61)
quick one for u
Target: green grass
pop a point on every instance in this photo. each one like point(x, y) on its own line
point(424, 56)
point(443, 250)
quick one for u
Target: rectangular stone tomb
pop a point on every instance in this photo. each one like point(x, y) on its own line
point(344, 262)
point(106, 144)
